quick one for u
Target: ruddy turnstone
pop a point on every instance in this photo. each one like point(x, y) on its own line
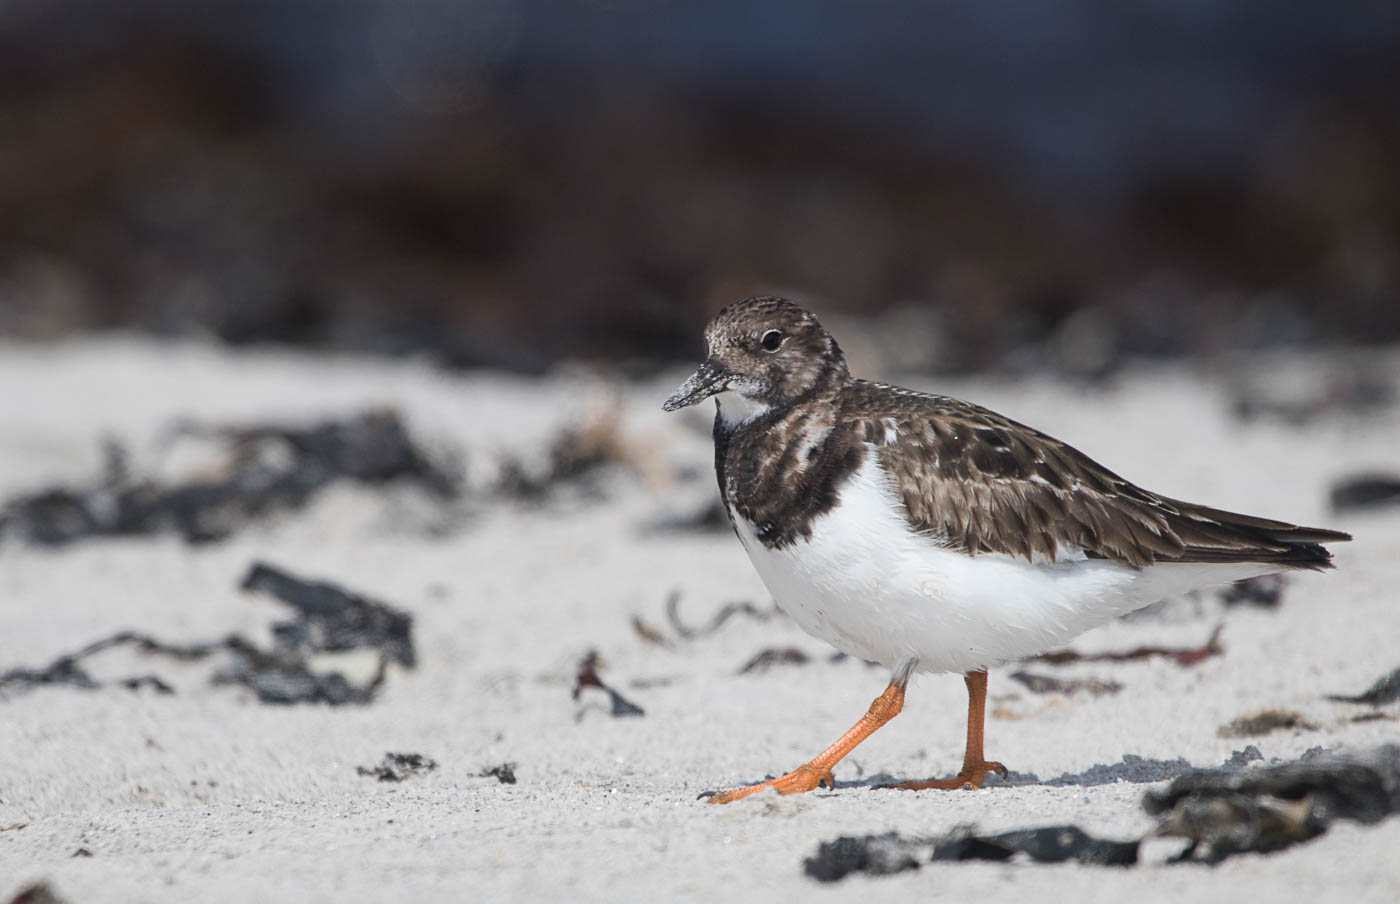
point(933, 535)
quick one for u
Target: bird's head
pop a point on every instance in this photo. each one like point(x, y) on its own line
point(764, 353)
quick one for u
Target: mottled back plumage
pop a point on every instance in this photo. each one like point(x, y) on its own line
point(982, 482)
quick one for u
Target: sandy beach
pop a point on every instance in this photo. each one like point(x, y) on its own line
point(111, 794)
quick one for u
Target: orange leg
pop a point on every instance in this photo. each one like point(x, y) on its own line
point(818, 771)
point(974, 768)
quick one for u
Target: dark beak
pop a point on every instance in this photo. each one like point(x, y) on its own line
point(705, 382)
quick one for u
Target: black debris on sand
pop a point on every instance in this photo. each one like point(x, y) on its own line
point(328, 619)
point(1184, 656)
point(620, 706)
point(283, 677)
point(651, 635)
point(331, 618)
point(1131, 768)
point(774, 656)
point(395, 767)
point(874, 855)
point(1385, 690)
point(1049, 684)
point(1241, 807)
point(1365, 491)
point(716, 621)
point(1267, 808)
point(1264, 592)
point(1264, 722)
point(503, 773)
point(38, 893)
point(883, 855)
point(262, 469)
point(67, 669)
point(1051, 844)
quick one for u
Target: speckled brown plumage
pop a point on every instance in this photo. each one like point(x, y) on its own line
point(981, 482)
point(969, 478)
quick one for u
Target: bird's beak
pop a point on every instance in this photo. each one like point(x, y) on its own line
point(705, 382)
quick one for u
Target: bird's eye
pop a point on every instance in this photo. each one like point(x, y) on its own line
point(771, 340)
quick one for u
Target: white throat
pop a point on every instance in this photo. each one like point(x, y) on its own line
point(735, 409)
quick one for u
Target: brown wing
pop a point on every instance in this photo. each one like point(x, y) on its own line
point(984, 483)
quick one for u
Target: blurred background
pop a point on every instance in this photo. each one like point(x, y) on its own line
point(507, 183)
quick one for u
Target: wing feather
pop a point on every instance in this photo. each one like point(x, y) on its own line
point(983, 483)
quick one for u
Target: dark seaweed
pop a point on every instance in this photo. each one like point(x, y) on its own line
point(766, 659)
point(1385, 690)
point(1185, 656)
point(587, 677)
point(38, 893)
point(1268, 808)
point(1264, 722)
point(395, 767)
point(274, 468)
point(875, 855)
point(1237, 808)
point(1048, 684)
point(1265, 591)
point(329, 619)
point(1365, 491)
point(1051, 844)
point(726, 612)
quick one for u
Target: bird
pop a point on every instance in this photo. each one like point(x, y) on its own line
point(933, 535)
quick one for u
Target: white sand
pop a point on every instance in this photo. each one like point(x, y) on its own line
point(208, 795)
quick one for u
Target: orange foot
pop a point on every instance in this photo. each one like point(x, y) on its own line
point(803, 778)
point(969, 777)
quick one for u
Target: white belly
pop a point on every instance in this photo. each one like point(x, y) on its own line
point(867, 584)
